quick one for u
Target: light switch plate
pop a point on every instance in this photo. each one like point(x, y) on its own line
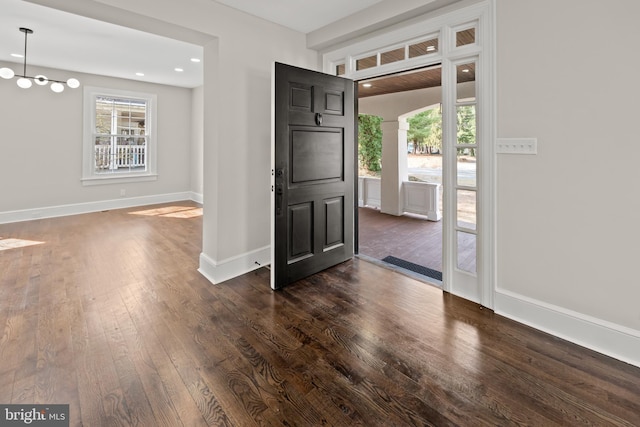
point(517, 146)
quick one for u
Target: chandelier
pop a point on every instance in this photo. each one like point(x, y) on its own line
point(24, 81)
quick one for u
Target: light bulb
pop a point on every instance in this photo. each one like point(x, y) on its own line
point(73, 83)
point(7, 73)
point(24, 83)
point(57, 87)
point(41, 80)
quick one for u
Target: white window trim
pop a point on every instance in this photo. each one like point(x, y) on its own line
point(89, 176)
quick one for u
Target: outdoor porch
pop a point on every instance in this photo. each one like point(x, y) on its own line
point(410, 238)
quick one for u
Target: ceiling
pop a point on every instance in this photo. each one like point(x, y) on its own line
point(301, 15)
point(412, 80)
point(71, 42)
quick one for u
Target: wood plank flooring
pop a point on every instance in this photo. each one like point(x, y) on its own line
point(110, 316)
point(410, 238)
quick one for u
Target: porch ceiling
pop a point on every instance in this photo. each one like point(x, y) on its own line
point(414, 79)
point(411, 80)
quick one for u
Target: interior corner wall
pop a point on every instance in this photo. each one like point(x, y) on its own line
point(567, 235)
point(238, 157)
point(239, 51)
point(41, 145)
point(237, 98)
point(197, 144)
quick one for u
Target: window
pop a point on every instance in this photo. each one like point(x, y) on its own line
point(368, 62)
point(119, 136)
point(465, 37)
point(423, 48)
point(393, 54)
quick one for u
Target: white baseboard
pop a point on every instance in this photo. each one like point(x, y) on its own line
point(102, 205)
point(608, 338)
point(219, 271)
point(196, 197)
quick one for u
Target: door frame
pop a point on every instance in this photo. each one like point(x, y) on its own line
point(443, 25)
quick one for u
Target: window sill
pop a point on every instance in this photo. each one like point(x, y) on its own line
point(120, 179)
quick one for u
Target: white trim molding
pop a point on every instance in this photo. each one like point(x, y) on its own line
point(219, 271)
point(444, 24)
point(82, 208)
point(196, 197)
point(608, 338)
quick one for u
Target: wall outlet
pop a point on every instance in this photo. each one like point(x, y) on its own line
point(123, 192)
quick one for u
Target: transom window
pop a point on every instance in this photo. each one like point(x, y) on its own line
point(465, 37)
point(119, 135)
point(409, 50)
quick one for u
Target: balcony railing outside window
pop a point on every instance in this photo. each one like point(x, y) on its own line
point(123, 157)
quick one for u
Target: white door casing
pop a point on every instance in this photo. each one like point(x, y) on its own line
point(480, 15)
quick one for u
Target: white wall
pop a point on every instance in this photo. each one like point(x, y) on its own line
point(566, 235)
point(41, 144)
point(567, 217)
point(237, 113)
point(196, 162)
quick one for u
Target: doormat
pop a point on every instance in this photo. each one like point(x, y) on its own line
point(425, 271)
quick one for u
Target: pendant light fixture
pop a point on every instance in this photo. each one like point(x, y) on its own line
point(25, 81)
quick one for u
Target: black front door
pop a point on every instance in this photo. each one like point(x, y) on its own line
point(313, 173)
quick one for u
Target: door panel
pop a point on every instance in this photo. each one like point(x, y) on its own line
point(301, 226)
point(316, 155)
point(313, 162)
point(334, 103)
point(334, 226)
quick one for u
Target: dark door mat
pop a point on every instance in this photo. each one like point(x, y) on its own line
point(425, 271)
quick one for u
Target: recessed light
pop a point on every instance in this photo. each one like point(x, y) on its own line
point(367, 85)
point(431, 48)
point(17, 55)
point(195, 59)
point(140, 74)
point(178, 70)
point(466, 70)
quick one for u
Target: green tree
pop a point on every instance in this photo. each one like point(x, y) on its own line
point(370, 142)
point(425, 131)
point(467, 126)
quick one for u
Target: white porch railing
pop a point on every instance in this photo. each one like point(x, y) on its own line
point(124, 156)
point(369, 192)
point(422, 198)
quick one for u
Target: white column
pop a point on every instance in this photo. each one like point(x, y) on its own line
point(394, 165)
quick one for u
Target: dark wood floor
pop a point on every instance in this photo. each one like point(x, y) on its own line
point(109, 315)
point(407, 237)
